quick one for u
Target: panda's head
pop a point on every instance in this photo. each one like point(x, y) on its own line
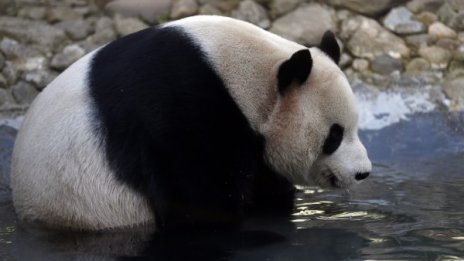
point(311, 134)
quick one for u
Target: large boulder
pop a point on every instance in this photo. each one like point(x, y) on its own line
point(150, 11)
point(367, 7)
point(306, 24)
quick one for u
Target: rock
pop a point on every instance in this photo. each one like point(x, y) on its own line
point(104, 32)
point(400, 21)
point(457, 5)
point(457, 22)
point(150, 11)
point(10, 72)
point(125, 26)
point(417, 6)
point(345, 60)
point(366, 7)
point(69, 55)
point(437, 56)
point(298, 25)
point(447, 43)
point(184, 8)
point(367, 39)
point(75, 29)
point(224, 6)
point(4, 97)
point(446, 13)
point(427, 18)
point(454, 89)
point(280, 7)
point(441, 31)
point(24, 93)
point(385, 64)
point(417, 65)
point(360, 65)
point(419, 40)
point(32, 32)
point(208, 9)
point(24, 57)
point(461, 37)
point(2, 61)
point(3, 82)
point(40, 78)
point(33, 12)
point(252, 12)
point(62, 13)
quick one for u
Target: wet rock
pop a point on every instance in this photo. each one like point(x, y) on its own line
point(3, 82)
point(4, 97)
point(420, 40)
point(454, 89)
point(252, 12)
point(104, 32)
point(33, 12)
point(360, 65)
point(183, 8)
point(400, 20)
point(224, 6)
point(417, 6)
point(125, 26)
point(366, 7)
point(69, 55)
point(24, 93)
point(10, 72)
point(76, 29)
point(367, 39)
point(40, 78)
point(208, 9)
point(417, 65)
point(36, 32)
point(62, 13)
point(440, 30)
point(2, 61)
point(299, 25)
point(437, 56)
point(280, 7)
point(150, 11)
point(385, 64)
point(427, 18)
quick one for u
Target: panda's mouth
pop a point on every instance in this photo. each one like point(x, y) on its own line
point(333, 180)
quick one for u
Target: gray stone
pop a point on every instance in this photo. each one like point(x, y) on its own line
point(150, 11)
point(417, 6)
point(40, 78)
point(62, 13)
point(367, 39)
point(183, 8)
point(33, 12)
point(125, 26)
point(15, 50)
point(427, 18)
point(76, 29)
point(2, 61)
point(440, 30)
point(454, 89)
point(345, 60)
point(420, 40)
point(446, 13)
point(10, 72)
point(298, 25)
point(224, 6)
point(457, 5)
point(4, 97)
point(447, 43)
point(208, 9)
point(400, 20)
point(437, 56)
point(24, 93)
point(457, 22)
point(104, 32)
point(35, 32)
point(367, 7)
point(280, 7)
point(252, 12)
point(385, 64)
point(360, 65)
point(417, 65)
point(69, 55)
point(3, 82)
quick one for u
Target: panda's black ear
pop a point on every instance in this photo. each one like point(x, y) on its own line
point(330, 46)
point(296, 69)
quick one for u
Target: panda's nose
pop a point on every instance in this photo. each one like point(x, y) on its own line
point(361, 176)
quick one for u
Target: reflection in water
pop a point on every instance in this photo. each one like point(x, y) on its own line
point(410, 209)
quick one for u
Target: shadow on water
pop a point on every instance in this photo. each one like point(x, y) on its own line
point(410, 209)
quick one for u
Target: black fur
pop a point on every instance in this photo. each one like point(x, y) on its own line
point(173, 133)
point(296, 69)
point(333, 140)
point(330, 46)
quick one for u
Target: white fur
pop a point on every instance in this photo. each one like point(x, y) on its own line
point(59, 174)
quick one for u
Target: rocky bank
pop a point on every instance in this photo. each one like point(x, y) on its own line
point(416, 46)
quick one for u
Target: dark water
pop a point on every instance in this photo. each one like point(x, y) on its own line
point(411, 208)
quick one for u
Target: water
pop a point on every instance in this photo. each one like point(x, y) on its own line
point(410, 208)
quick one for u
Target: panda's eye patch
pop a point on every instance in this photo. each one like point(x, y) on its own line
point(333, 141)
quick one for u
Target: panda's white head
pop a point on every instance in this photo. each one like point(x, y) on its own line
point(311, 134)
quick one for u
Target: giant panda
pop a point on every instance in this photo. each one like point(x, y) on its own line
point(197, 123)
